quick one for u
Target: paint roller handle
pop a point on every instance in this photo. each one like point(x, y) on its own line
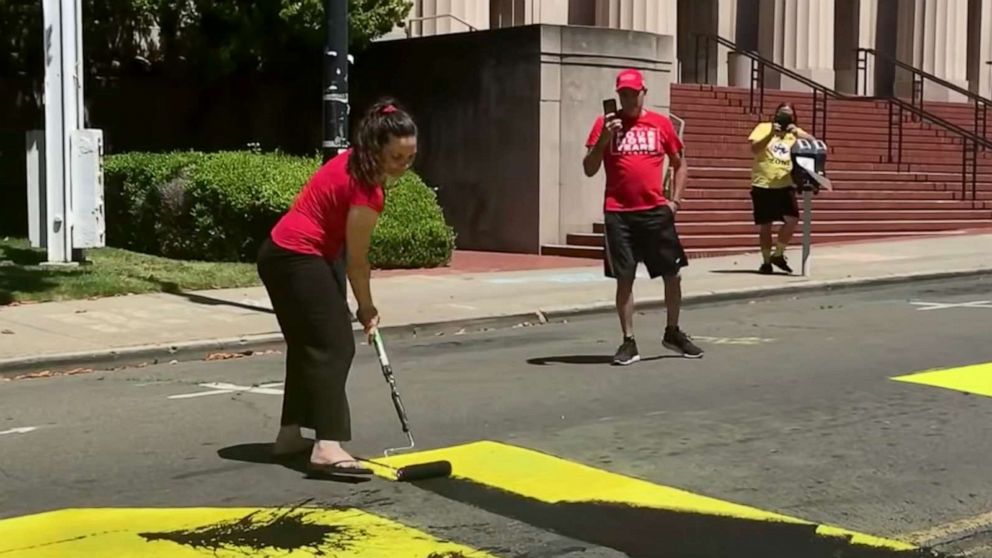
point(387, 371)
point(401, 411)
point(380, 349)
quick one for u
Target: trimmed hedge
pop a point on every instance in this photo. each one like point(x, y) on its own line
point(221, 206)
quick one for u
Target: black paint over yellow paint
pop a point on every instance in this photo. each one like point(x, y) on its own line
point(286, 530)
point(656, 533)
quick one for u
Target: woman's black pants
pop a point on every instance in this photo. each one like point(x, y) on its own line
point(316, 324)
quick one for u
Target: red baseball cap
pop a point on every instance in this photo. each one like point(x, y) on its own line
point(630, 79)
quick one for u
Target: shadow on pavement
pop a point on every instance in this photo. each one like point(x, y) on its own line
point(748, 272)
point(586, 359)
point(173, 289)
point(650, 532)
point(261, 453)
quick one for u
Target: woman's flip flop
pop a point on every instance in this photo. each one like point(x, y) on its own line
point(336, 469)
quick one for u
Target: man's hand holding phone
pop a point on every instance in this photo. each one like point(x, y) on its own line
point(611, 120)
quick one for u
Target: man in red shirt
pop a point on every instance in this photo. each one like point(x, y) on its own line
point(640, 222)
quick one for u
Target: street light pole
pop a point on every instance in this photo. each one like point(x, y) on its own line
point(335, 100)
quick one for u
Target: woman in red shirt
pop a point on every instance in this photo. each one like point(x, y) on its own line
point(335, 212)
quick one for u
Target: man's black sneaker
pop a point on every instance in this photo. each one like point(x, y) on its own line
point(676, 340)
point(766, 269)
point(781, 263)
point(627, 353)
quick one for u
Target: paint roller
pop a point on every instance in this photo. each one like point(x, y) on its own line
point(420, 471)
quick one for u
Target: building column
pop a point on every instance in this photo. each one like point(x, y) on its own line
point(867, 25)
point(941, 45)
point(854, 25)
point(654, 16)
point(551, 12)
point(509, 13)
point(726, 27)
point(472, 12)
point(985, 51)
point(804, 40)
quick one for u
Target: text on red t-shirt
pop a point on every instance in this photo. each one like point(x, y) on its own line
point(634, 160)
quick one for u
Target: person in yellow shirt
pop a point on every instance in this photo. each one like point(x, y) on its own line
point(773, 195)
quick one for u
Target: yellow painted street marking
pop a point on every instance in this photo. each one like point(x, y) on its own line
point(976, 379)
point(552, 480)
point(218, 533)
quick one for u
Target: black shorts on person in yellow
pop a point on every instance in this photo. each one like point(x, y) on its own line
point(773, 204)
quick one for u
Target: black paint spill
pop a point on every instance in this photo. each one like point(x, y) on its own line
point(655, 533)
point(281, 530)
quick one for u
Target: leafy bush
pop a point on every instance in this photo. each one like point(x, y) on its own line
point(411, 231)
point(221, 206)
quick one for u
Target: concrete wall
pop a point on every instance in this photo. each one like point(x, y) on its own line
point(579, 67)
point(476, 99)
point(504, 116)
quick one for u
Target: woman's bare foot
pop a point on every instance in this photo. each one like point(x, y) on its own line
point(290, 441)
point(330, 452)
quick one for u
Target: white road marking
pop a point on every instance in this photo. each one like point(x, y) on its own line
point(732, 340)
point(220, 388)
point(19, 430)
point(946, 305)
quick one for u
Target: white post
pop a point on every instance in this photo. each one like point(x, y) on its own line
point(55, 225)
point(79, 62)
point(37, 206)
point(63, 113)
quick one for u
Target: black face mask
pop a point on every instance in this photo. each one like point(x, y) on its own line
point(783, 119)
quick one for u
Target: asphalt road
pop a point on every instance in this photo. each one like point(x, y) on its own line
point(793, 410)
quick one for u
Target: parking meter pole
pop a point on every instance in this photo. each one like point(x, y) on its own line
point(809, 157)
point(807, 230)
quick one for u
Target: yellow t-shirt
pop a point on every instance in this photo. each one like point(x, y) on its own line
point(772, 168)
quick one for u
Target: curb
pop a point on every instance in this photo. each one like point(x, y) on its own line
point(199, 350)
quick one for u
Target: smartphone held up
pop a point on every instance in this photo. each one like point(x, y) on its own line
point(610, 107)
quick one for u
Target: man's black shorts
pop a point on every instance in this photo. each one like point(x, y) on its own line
point(773, 204)
point(643, 236)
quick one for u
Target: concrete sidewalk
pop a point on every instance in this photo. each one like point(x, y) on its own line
point(155, 327)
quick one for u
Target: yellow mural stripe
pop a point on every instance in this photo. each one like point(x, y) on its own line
point(218, 533)
point(553, 480)
point(976, 379)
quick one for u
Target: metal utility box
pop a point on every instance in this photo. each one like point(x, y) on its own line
point(87, 215)
point(89, 225)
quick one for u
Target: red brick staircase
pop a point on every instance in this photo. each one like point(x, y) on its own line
point(872, 199)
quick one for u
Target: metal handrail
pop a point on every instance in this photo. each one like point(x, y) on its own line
point(920, 76)
point(758, 64)
point(897, 108)
point(969, 140)
point(679, 125)
point(421, 20)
